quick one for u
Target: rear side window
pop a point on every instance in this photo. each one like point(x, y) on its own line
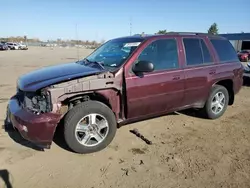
point(225, 50)
point(196, 52)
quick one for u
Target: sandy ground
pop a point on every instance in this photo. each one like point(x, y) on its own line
point(187, 151)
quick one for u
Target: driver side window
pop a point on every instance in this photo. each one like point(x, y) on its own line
point(162, 53)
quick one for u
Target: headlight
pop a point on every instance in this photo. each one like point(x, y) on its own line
point(37, 103)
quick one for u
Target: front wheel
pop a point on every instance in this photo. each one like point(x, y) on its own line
point(89, 127)
point(216, 103)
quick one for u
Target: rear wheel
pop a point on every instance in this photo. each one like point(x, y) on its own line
point(216, 103)
point(89, 127)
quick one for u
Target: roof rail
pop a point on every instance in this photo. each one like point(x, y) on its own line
point(187, 33)
point(143, 34)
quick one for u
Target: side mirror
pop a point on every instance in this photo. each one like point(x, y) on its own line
point(248, 64)
point(143, 66)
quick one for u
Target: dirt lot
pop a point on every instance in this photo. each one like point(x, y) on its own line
point(187, 151)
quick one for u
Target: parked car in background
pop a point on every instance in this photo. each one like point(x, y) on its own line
point(3, 42)
point(247, 69)
point(244, 55)
point(12, 45)
point(3, 47)
point(22, 46)
point(153, 76)
point(246, 74)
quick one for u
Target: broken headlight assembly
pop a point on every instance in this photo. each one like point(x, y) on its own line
point(35, 102)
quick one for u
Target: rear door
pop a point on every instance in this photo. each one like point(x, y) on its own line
point(199, 69)
point(229, 66)
point(160, 90)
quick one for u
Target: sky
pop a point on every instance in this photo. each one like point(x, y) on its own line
point(106, 19)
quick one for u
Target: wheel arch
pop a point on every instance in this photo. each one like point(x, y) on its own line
point(228, 84)
point(109, 97)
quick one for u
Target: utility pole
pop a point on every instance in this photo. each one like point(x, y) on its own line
point(130, 26)
point(96, 38)
point(77, 47)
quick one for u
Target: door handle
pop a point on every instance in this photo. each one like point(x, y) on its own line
point(177, 77)
point(211, 72)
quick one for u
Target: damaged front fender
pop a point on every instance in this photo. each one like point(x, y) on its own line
point(106, 84)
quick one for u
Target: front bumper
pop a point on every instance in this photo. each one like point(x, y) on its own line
point(38, 129)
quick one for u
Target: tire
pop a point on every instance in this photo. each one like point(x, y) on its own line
point(208, 111)
point(80, 111)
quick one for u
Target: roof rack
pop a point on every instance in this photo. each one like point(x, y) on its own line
point(143, 34)
point(186, 33)
point(175, 33)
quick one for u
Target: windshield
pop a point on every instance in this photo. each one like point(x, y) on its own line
point(114, 52)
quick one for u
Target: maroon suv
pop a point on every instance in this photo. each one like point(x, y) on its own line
point(126, 79)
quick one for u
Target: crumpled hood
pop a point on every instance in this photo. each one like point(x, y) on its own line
point(46, 76)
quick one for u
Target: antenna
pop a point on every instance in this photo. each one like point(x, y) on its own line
point(130, 26)
point(77, 47)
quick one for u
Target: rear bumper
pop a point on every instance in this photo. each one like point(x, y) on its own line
point(38, 129)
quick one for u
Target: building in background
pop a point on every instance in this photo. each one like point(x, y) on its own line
point(240, 41)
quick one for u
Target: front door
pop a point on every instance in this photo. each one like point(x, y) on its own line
point(158, 91)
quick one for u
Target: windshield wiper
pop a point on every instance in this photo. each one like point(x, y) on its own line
point(98, 63)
